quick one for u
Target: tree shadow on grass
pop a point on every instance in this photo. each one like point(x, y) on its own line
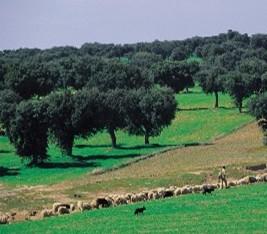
point(193, 109)
point(4, 171)
point(227, 107)
point(50, 165)
point(81, 146)
point(205, 108)
point(150, 146)
point(4, 151)
point(105, 157)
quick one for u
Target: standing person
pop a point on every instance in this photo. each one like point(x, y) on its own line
point(222, 177)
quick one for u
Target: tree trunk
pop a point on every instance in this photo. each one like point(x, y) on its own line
point(216, 100)
point(67, 146)
point(113, 137)
point(146, 139)
point(240, 105)
point(36, 160)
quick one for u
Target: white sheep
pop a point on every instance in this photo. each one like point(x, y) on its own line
point(83, 206)
point(47, 213)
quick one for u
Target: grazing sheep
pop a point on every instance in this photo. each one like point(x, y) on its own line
point(232, 183)
point(173, 188)
point(150, 194)
point(197, 188)
point(178, 192)
point(33, 213)
point(83, 206)
point(247, 180)
point(186, 190)
point(72, 207)
point(47, 213)
point(261, 177)
point(168, 193)
point(156, 195)
point(100, 203)
point(63, 210)
point(128, 197)
point(120, 201)
point(5, 219)
point(142, 196)
point(161, 192)
point(58, 204)
point(134, 198)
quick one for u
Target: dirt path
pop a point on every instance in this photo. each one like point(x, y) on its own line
point(185, 165)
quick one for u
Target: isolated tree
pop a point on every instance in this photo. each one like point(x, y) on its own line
point(258, 108)
point(59, 112)
point(87, 115)
point(29, 131)
point(149, 111)
point(210, 81)
point(114, 112)
point(236, 84)
point(254, 68)
point(176, 75)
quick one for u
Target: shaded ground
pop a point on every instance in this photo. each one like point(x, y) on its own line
point(188, 165)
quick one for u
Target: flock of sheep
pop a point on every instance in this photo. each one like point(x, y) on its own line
point(59, 208)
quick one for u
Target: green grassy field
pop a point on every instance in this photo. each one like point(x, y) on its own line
point(195, 122)
point(236, 210)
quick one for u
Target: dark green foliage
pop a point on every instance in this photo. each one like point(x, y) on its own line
point(60, 107)
point(210, 81)
point(178, 54)
point(236, 84)
point(30, 78)
point(263, 82)
point(8, 102)
point(145, 59)
point(117, 75)
point(86, 117)
point(258, 106)
point(29, 131)
point(113, 114)
point(149, 111)
point(176, 75)
point(254, 68)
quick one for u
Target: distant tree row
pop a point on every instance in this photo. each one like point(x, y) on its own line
point(241, 79)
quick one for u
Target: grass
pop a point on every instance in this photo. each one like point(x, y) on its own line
point(236, 210)
point(195, 122)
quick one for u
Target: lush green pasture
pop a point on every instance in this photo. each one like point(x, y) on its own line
point(196, 121)
point(236, 210)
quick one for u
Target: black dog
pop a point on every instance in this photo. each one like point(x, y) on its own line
point(207, 190)
point(139, 210)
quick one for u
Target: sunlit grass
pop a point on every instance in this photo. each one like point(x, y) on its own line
point(236, 210)
point(196, 121)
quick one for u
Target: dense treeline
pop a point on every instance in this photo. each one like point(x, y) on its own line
point(66, 92)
